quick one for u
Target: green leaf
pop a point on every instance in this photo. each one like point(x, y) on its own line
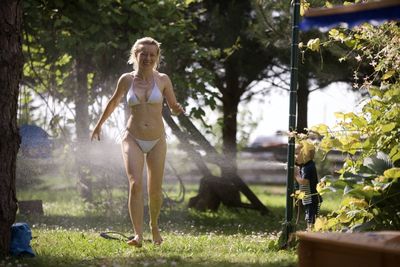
point(392, 173)
point(188, 2)
point(388, 74)
point(339, 115)
point(340, 184)
point(63, 60)
point(333, 33)
point(394, 153)
point(388, 127)
point(350, 43)
point(304, 5)
point(314, 44)
point(360, 122)
point(320, 223)
point(328, 143)
point(328, 4)
point(375, 91)
point(322, 129)
point(343, 218)
point(391, 93)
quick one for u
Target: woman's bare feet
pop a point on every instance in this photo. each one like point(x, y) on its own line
point(157, 239)
point(136, 242)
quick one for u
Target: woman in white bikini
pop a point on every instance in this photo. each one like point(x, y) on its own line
point(144, 138)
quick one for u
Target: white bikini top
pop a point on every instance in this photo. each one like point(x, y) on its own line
point(155, 96)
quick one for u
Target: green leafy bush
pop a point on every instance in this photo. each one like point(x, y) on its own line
point(369, 178)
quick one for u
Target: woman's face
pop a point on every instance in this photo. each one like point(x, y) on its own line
point(147, 56)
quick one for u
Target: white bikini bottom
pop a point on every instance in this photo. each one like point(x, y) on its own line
point(144, 145)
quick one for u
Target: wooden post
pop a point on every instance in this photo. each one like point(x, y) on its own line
point(294, 62)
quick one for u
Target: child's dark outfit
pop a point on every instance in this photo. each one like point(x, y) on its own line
point(312, 200)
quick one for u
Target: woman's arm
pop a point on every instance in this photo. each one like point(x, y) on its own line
point(169, 94)
point(122, 87)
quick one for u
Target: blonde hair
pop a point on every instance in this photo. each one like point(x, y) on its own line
point(135, 48)
point(307, 149)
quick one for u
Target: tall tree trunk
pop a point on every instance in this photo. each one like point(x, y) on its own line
point(11, 62)
point(82, 130)
point(229, 130)
point(230, 100)
point(303, 93)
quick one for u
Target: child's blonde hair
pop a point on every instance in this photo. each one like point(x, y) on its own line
point(307, 149)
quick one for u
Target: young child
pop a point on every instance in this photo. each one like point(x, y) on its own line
point(306, 176)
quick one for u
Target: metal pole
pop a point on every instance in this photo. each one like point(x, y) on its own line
point(294, 62)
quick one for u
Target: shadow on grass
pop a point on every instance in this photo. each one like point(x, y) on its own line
point(89, 222)
point(144, 260)
point(177, 218)
point(225, 221)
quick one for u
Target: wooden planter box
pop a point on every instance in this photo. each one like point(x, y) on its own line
point(370, 249)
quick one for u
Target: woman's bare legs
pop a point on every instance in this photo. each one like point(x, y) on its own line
point(155, 168)
point(134, 161)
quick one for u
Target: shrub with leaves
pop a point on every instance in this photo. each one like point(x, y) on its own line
point(369, 178)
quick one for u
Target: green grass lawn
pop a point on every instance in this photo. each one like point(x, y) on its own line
point(68, 233)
